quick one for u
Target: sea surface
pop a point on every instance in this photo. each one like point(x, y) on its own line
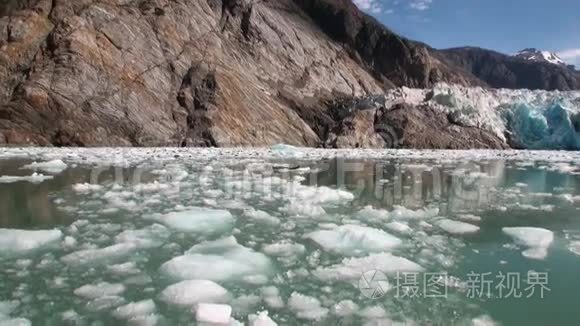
point(290, 236)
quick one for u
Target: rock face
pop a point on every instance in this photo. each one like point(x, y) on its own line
point(502, 71)
point(202, 72)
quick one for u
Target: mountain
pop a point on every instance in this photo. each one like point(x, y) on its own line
point(536, 55)
point(503, 71)
point(220, 73)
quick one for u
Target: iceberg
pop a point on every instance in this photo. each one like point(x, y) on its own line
point(199, 220)
point(220, 260)
point(192, 292)
point(51, 167)
point(22, 241)
point(353, 240)
point(537, 240)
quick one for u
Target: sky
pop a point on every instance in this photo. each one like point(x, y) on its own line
point(506, 26)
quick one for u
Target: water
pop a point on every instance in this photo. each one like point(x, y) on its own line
point(291, 198)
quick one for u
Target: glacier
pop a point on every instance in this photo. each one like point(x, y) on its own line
point(524, 119)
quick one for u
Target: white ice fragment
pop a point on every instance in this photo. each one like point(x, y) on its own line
point(124, 269)
point(374, 312)
point(484, 320)
point(84, 188)
point(135, 309)
point(98, 290)
point(469, 217)
point(272, 297)
point(199, 220)
point(261, 217)
point(304, 209)
point(14, 241)
point(261, 319)
point(401, 212)
point(538, 240)
point(398, 227)
point(351, 269)
point(456, 227)
point(15, 322)
point(219, 260)
point(214, 314)
point(105, 303)
point(354, 240)
point(306, 307)
point(284, 249)
point(34, 178)
point(152, 236)
point(51, 167)
point(192, 292)
point(575, 247)
point(371, 213)
point(345, 308)
point(98, 256)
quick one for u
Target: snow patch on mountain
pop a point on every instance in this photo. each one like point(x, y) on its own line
point(536, 55)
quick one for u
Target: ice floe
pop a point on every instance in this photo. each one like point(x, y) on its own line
point(191, 292)
point(219, 260)
point(199, 220)
point(537, 240)
point(457, 227)
point(99, 256)
point(135, 309)
point(307, 307)
point(14, 241)
point(261, 319)
point(213, 314)
point(98, 290)
point(352, 268)
point(34, 178)
point(354, 240)
point(51, 167)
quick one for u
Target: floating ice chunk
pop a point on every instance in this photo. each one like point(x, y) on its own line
point(456, 227)
point(34, 178)
point(374, 312)
point(199, 220)
point(398, 227)
point(52, 167)
point(286, 150)
point(537, 240)
point(354, 240)
point(304, 209)
point(322, 195)
point(284, 249)
point(105, 303)
point(575, 247)
point(192, 292)
point(135, 309)
point(218, 314)
point(261, 216)
point(373, 214)
point(484, 320)
point(14, 241)
point(7, 308)
point(401, 212)
point(469, 217)
point(129, 268)
point(219, 260)
point(15, 322)
point(272, 298)
point(261, 319)
point(306, 307)
point(352, 268)
point(84, 188)
point(152, 236)
point(345, 308)
point(99, 256)
point(98, 290)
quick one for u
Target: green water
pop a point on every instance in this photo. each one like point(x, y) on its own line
point(504, 194)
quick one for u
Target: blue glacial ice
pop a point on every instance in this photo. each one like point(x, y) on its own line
point(525, 119)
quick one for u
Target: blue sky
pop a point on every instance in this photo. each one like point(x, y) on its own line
point(503, 25)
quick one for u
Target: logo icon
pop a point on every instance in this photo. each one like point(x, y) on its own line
point(373, 284)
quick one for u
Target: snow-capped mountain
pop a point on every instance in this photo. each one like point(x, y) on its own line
point(532, 54)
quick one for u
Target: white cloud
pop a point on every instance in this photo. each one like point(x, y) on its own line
point(420, 4)
point(372, 6)
point(571, 56)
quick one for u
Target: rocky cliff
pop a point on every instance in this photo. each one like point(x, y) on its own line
point(205, 73)
point(502, 71)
